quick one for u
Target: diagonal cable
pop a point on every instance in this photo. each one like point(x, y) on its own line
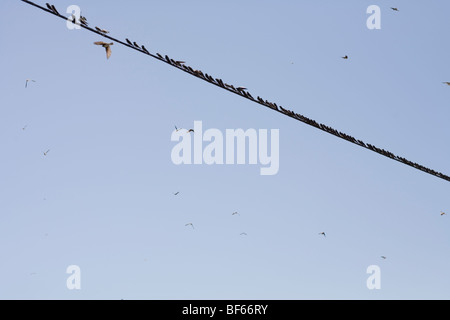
point(244, 93)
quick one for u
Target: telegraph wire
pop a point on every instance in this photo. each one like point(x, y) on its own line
point(243, 92)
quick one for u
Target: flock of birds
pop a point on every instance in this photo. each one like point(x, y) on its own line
point(198, 73)
point(192, 225)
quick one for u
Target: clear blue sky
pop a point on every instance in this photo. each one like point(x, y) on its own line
point(103, 198)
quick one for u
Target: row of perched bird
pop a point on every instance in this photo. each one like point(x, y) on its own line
point(242, 91)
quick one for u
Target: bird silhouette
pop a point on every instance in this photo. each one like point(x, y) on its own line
point(54, 9)
point(26, 82)
point(101, 30)
point(234, 213)
point(189, 224)
point(105, 45)
point(45, 153)
point(190, 130)
point(176, 129)
point(443, 213)
point(323, 233)
point(395, 9)
point(129, 42)
point(243, 234)
point(135, 44)
point(345, 57)
point(383, 257)
point(145, 50)
point(176, 193)
point(447, 83)
point(83, 20)
point(241, 88)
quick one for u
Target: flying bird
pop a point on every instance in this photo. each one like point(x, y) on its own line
point(443, 213)
point(190, 130)
point(176, 193)
point(26, 82)
point(383, 257)
point(447, 83)
point(25, 127)
point(243, 234)
point(345, 57)
point(323, 233)
point(45, 153)
point(105, 45)
point(234, 213)
point(176, 129)
point(101, 30)
point(189, 224)
point(395, 9)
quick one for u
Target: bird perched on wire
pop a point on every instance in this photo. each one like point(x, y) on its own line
point(101, 30)
point(241, 88)
point(28, 80)
point(107, 47)
point(83, 20)
point(52, 8)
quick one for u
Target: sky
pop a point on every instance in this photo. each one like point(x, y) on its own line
point(102, 198)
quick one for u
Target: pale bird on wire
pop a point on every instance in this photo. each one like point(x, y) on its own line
point(101, 30)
